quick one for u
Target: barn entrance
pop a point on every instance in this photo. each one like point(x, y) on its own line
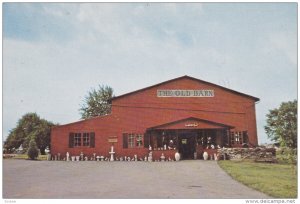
point(190, 137)
point(187, 144)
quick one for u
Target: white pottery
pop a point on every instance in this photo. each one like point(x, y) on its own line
point(68, 156)
point(162, 157)
point(73, 158)
point(77, 158)
point(205, 155)
point(177, 156)
point(215, 156)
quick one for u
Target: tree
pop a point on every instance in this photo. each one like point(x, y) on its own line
point(42, 134)
point(33, 151)
point(282, 124)
point(30, 126)
point(97, 103)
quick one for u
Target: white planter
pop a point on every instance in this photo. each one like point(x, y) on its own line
point(73, 158)
point(77, 158)
point(177, 156)
point(205, 156)
point(162, 157)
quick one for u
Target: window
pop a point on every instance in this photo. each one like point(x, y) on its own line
point(139, 140)
point(77, 139)
point(132, 140)
point(86, 139)
point(236, 137)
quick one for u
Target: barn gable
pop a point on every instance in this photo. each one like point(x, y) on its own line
point(184, 85)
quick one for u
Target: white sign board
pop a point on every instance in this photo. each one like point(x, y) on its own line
point(185, 93)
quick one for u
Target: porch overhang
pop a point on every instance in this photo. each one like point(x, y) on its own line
point(191, 123)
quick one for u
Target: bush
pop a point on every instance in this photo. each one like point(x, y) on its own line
point(33, 151)
point(286, 155)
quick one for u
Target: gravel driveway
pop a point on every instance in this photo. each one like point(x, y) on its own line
point(58, 179)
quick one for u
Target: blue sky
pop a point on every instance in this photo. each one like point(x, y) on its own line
point(54, 53)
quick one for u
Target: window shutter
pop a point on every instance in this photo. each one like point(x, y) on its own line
point(80, 140)
point(92, 139)
point(146, 140)
point(245, 137)
point(125, 141)
point(71, 140)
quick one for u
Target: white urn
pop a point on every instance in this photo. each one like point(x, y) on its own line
point(205, 155)
point(162, 157)
point(177, 156)
point(73, 158)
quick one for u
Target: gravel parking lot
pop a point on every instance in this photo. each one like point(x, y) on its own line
point(58, 179)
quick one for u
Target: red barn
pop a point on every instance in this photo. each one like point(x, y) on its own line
point(185, 114)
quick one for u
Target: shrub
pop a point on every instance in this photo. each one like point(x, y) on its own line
point(33, 151)
point(287, 155)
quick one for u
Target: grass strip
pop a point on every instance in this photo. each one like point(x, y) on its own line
point(276, 180)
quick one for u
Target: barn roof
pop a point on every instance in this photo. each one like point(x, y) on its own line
point(186, 77)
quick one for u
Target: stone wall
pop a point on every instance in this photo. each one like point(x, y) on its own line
point(258, 154)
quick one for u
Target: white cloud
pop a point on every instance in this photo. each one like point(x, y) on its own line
point(127, 22)
point(286, 43)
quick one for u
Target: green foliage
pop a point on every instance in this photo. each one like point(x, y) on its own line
point(24, 156)
point(276, 180)
point(97, 102)
point(30, 126)
point(287, 155)
point(282, 124)
point(33, 151)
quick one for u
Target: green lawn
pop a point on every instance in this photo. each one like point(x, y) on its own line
point(276, 180)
